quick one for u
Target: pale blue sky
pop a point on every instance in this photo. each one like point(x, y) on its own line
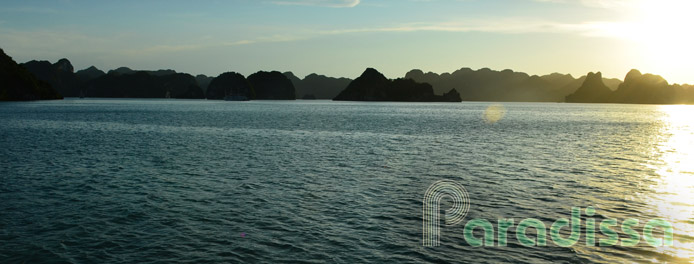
point(342, 37)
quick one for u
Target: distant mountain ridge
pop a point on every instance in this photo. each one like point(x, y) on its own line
point(471, 85)
point(637, 88)
point(490, 85)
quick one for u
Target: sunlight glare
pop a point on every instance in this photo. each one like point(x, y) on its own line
point(674, 189)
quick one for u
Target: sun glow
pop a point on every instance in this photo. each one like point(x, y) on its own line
point(663, 31)
point(660, 32)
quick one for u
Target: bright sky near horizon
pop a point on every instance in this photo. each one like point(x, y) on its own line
point(343, 37)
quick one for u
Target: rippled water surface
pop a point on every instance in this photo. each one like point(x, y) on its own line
point(174, 181)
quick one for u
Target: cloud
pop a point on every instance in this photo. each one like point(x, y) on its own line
point(490, 25)
point(325, 3)
point(607, 4)
point(153, 49)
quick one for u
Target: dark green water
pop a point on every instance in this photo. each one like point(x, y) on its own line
point(174, 181)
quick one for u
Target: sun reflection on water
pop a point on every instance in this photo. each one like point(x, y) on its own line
point(673, 187)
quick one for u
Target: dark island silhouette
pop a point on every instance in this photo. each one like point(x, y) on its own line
point(272, 86)
point(142, 84)
point(373, 86)
point(122, 82)
point(230, 84)
point(204, 81)
point(18, 84)
point(58, 79)
point(59, 75)
point(89, 74)
point(593, 90)
point(315, 86)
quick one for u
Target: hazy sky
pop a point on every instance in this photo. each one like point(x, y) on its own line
point(343, 37)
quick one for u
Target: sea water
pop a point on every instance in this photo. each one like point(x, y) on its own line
point(194, 181)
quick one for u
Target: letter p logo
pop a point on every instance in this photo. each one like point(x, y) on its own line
point(431, 232)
